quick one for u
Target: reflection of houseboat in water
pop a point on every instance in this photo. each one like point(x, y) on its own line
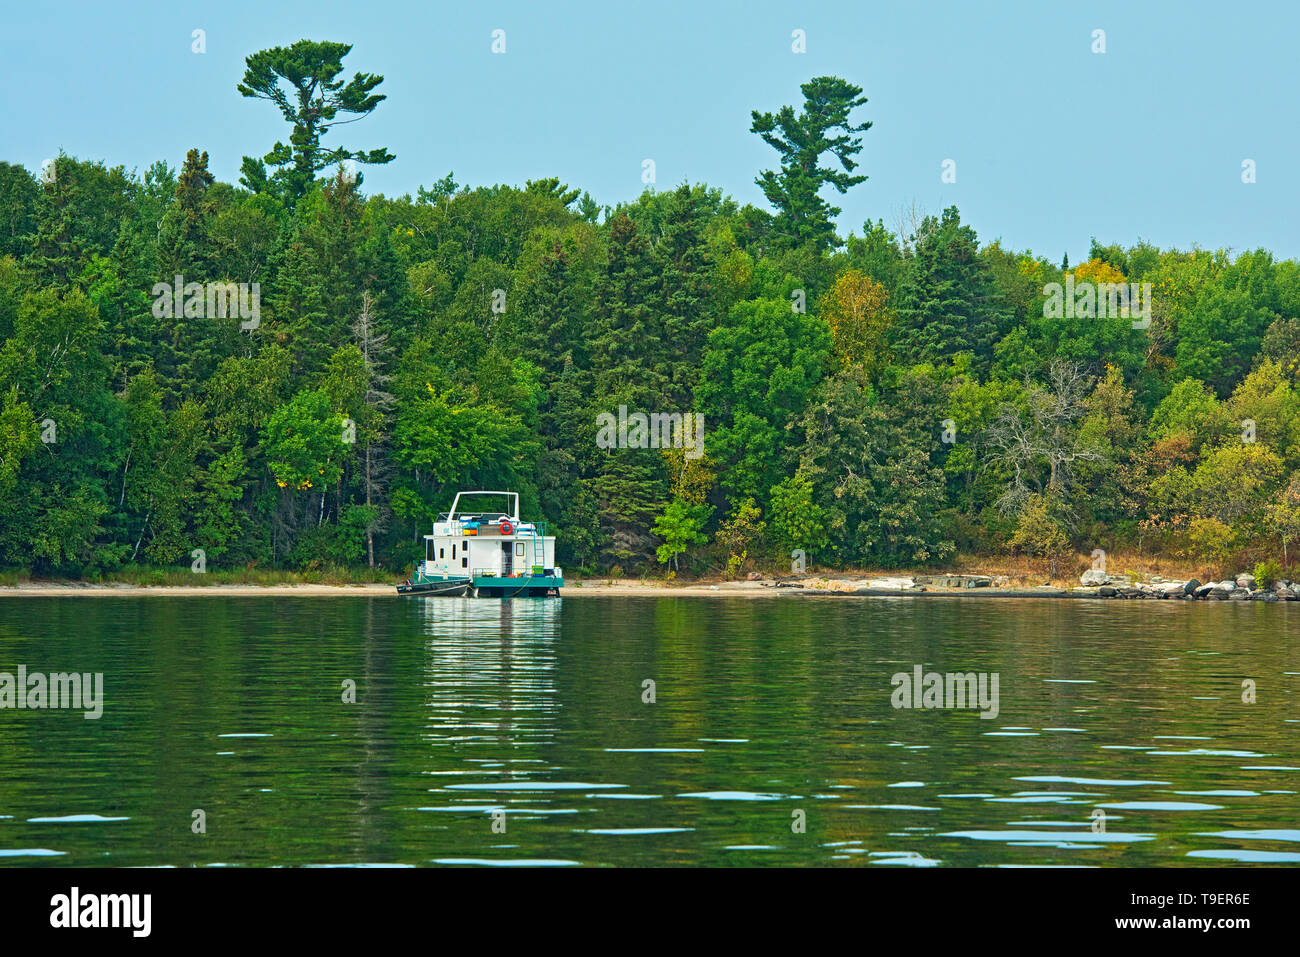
point(462, 628)
point(486, 554)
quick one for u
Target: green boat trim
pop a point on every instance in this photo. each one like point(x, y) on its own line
point(485, 586)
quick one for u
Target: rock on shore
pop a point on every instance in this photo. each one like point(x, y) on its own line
point(1242, 588)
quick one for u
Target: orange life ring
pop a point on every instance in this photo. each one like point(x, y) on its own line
point(506, 528)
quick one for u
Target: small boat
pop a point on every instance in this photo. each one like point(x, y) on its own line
point(486, 554)
point(455, 587)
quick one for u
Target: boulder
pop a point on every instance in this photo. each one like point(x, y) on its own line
point(1191, 586)
point(1239, 594)
point(1245, 580)
point(1262, 595)
point(1171, 589)
point(956, 581)
point(1218, 594)
point(1107, 591)
point(1203, 591)
point(1094, 576)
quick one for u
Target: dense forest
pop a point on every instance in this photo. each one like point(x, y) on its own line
point(892, 398)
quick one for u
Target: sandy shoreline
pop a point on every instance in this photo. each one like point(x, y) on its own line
point(66, 590)
point(80, 590)
point(589, 589)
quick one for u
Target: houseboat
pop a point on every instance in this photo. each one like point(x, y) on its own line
point(486, 554)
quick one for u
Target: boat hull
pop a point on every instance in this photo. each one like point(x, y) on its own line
point(452, 588)
point(531, 586)
point(484, 586)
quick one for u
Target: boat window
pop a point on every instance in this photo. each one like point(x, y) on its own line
point(453, 549)
point(465, 544)
point(464, 562)
point(519, 549)
point(442, 553)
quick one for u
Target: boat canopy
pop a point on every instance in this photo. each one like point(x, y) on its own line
point(513, 514)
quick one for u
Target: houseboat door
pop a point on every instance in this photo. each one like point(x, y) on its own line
point(507, 560)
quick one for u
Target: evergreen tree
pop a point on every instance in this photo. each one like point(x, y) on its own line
point(947, 301)
point(18, 192)
point(193, 341)
point(79, 211)
point(312, 104)
point(824, 126)
point(683, 266)
point(325, 272)
point(625, 342)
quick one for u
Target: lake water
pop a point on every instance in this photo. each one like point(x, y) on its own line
point(767, 713)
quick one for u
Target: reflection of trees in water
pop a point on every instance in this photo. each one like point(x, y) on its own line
point(372, 792)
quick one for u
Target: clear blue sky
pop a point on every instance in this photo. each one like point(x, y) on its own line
point(1053, 144)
